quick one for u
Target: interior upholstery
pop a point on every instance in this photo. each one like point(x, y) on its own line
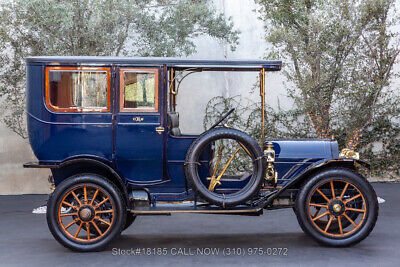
point(173, 123)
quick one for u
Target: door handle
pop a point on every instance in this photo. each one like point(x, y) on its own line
point(160, 130)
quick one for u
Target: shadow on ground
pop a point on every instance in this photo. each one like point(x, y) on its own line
point(180, 239)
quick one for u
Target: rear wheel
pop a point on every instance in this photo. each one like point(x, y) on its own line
point(86, 212)
point(337, 207)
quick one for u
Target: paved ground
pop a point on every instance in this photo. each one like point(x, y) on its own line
point(25, 239)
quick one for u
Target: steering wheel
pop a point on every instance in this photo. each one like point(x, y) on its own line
point(222, 118)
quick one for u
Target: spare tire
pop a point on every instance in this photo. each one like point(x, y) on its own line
point(247, 186)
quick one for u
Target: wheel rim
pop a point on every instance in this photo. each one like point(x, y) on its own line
point(333, 200)
point(88, 207)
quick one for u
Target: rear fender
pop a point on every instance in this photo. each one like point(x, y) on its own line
point(88, 165)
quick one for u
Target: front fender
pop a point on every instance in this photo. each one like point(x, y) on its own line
point(322, 164)
point(296, 182)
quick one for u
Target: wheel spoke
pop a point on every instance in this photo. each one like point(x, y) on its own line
point(356, 210)
point(245, 149)
point(344, 191)
point(76, 198)
point(212, 178)
point(85, 194)
point(340, 225)
point(70, 205)
point(70, 224)
point(315, 214)
point(216, 181)
point(88, 231)
point(94, 196)
point(329, 223)
point(103, 221)
point(350, 220)
point(321, 215)
point(79, 229)
point(97, 228)
point(104, 211)
point(68, 214)
point(218, 160)
point(102, 202)
point(323, 195)
point(319, 205)
point(351, 199)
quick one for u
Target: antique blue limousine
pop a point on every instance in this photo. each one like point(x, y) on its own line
point(108, 130)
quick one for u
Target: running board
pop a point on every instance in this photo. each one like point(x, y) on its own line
point(169, 209)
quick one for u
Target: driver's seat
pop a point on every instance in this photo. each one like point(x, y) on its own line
point(173, 123)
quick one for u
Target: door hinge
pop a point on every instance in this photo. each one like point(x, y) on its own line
point(160, 130)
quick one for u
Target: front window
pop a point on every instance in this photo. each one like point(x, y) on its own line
point(78, 89)
point(139, 90)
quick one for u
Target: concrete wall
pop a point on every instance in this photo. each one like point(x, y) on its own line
point(14, 151)
point(197, 89)
point(195, 92)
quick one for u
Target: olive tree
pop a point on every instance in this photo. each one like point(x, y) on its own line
point(97, 28)
point(340, 57)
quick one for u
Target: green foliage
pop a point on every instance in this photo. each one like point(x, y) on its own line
point(340, 57)
point(97, 28)
point(380, 145)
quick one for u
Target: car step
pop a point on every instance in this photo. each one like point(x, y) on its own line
point(168, 209)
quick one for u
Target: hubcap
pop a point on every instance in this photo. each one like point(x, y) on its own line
point(337, 208)
point(85, 214)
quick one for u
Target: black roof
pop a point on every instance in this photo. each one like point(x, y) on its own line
point(151, 61)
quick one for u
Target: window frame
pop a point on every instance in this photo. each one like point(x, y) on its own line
point(122, 90)
point(77, 109)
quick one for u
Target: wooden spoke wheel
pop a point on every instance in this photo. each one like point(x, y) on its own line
point(337, 207)
point(86, 212)
point(339, 203)
point(91, 213)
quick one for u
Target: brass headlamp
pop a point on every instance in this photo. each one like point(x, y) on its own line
point(271, 175)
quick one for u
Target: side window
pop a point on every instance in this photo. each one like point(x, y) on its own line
point(77, 89)
point(139, 90)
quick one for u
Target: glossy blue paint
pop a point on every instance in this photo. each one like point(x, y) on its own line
point(58, 136)
point(139, 152)
point(140, 156)
point(295, 155)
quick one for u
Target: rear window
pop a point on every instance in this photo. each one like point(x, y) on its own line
point(78, 89)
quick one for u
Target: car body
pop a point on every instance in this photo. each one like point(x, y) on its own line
point(141, 149)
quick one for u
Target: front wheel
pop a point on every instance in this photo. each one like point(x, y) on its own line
point(337, 207)
point(86, 212)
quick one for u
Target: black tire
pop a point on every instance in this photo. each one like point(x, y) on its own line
point(74, 183)
point(228, 200)
point(335, 238)
point(130, 218)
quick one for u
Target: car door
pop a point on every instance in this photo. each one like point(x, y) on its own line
point(139, 131)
